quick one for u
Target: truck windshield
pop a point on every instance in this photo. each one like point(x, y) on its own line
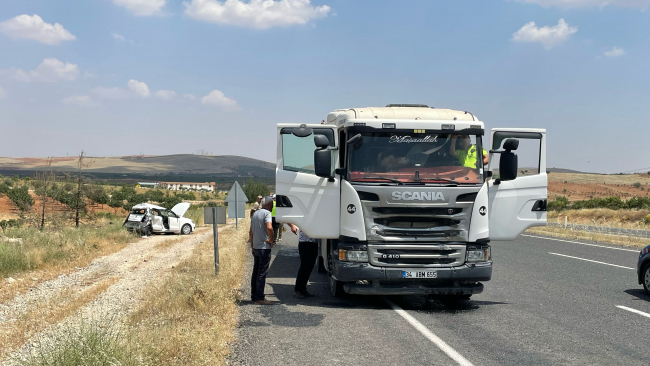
point(383, 157)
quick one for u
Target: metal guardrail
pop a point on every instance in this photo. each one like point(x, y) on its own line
point(604, 230)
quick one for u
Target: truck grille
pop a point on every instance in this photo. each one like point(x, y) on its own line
point(405, 255)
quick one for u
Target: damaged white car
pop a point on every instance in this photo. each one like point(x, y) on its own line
point(147, 219)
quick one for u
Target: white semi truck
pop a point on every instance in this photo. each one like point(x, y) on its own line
point(400, 199)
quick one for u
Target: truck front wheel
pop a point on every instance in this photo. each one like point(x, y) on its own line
point(336, 287)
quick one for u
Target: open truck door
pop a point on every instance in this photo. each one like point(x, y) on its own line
point(516, 203)
point(307, 190)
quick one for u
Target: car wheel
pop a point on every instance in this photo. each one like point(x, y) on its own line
point(646, 278)
point(186, 229)
point(336, 287)
point(149, 230)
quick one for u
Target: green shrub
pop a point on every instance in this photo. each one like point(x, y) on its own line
point(20, 196)
point(560, 203)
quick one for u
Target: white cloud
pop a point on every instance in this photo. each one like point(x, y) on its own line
point(217, 98)
point(80, 100)
point(33, 27)
point(260, 14)
point(142, 7)
point(3, 93)
point(134, 89)
point(615, 52)
point(641, 4)
point(138, 87)
point(120, 38)
point(49, 71)
point(165, 94)
point(189, 96)
point(549, 36)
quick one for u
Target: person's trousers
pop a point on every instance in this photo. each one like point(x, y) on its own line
point(308, 253)
point(276, 229)
point(261, 260)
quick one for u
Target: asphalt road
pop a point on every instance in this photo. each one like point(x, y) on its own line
point(549, 302)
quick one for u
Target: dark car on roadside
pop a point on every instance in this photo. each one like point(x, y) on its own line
point(643, 268)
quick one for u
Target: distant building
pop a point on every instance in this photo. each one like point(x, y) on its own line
point(190, 186)
point(148, 184)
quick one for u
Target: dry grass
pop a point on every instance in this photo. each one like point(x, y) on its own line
point(629, 219)
point(626, 179)
point(16, 333)
point(557, 232)
point(43, 256)
point(189, 320)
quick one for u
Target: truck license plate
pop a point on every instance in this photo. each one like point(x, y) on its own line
point(420, 274)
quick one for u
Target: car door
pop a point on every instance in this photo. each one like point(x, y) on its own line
point(303, 198)
point(157, 221)
point(518, 204)
point(174, 222)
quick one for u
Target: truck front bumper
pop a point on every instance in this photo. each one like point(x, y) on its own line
point(365, 279)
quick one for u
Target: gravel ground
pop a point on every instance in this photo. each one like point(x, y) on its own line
point(137, 265)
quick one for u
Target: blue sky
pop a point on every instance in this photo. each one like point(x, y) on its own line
point(115, 76)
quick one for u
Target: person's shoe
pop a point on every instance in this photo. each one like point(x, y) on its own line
point(304, 294)
point(264, 302)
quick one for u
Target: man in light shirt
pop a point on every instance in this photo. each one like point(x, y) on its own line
point(261, 239)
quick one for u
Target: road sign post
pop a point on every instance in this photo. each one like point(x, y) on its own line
point(237, 198)
point(214, 216)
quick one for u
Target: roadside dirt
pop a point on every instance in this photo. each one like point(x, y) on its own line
point(125, 274)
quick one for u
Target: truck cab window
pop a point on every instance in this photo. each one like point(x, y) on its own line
point(416, 157)
point(298, 152)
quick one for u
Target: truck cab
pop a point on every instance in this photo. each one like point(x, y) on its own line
point(405, 199)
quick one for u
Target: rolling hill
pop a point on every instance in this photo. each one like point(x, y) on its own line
point(143, 164)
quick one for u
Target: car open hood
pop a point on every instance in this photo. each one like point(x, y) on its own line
point(181, 208)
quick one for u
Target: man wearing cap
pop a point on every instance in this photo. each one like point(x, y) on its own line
point(261, 239)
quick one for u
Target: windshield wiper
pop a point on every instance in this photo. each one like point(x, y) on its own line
point(390, 179)
point(441, 179)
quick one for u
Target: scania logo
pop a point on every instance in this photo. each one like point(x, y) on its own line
point(418, 196)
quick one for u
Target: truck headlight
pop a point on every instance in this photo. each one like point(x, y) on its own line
point(478, 255)
point(353, 255)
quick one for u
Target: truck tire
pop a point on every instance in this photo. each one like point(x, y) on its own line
point(336, 287)
point(645, 278)
point(321, 265)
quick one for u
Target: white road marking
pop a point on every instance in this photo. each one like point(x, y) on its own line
point(577, 242)
point(444, 347)
point(633, 310)
point(589, 260)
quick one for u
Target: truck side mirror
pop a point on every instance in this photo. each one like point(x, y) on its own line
point(323, 163)
point(508, 162)
point(322, 157)
point(321, 141)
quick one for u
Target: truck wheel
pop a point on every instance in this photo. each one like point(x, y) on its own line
point(336, 287)
point(321, 265)
point(186, 229)
point(646, 278)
